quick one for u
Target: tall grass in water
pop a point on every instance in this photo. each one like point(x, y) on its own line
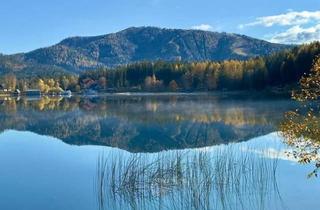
point(224, 179)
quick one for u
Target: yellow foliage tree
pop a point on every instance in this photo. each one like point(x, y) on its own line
point(301, 128)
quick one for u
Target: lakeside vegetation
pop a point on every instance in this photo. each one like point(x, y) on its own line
point(223, 179)
point(301, 127)
point(277, 70)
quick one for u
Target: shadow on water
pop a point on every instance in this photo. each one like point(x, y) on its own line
point(223, 179)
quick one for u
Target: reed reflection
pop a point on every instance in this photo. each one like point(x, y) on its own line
point(223, 179)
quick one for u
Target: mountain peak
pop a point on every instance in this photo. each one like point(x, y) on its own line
point(148, 43)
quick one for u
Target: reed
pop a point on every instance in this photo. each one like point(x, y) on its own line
point(223, 179)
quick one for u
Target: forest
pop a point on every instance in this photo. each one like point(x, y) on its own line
point(280, 69)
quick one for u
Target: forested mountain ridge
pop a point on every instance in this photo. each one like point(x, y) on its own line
point(281, 69)
point(137, 44)
point(276, 70)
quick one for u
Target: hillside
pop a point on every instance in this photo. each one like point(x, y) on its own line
point(136, 44)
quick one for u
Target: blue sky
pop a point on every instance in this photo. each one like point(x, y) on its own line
point(30, 24)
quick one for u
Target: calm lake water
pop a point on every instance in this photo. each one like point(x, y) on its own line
point(165, 151)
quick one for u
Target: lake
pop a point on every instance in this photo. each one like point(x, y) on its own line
point(150, 151)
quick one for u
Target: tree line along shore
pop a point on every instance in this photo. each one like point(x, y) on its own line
point(276, 71)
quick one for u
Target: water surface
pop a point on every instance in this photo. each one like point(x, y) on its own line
point(149, 152)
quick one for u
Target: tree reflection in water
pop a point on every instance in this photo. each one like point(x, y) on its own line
point(223, 179)
point(126, 122)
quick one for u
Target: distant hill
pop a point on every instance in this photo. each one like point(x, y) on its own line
point(136, 44)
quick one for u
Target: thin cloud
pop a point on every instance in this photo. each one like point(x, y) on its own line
point(203, 27)
point(288, 19)
point(297, 35)
point(298, 27)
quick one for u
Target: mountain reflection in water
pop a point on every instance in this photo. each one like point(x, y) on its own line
point(145, 123)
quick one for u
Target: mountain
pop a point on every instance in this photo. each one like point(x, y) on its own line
point(138, 44)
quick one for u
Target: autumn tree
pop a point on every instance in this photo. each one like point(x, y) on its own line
point(102, 82)
point(173, 86)
point(22, 85)
point(42, 86)
point(151, 82)
point(65, 82)
point(301, 127)
point(10, 81)
point(51, 83)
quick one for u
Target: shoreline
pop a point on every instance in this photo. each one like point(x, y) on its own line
point(224, 94)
